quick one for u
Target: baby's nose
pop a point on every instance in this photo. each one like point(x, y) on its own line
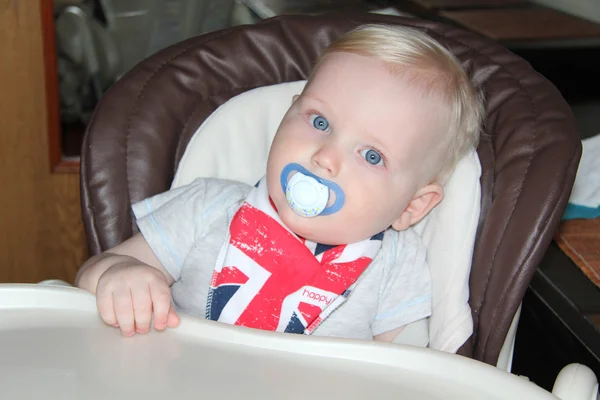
point(327, 158)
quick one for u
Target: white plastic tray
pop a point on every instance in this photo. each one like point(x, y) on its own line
point(54, 346)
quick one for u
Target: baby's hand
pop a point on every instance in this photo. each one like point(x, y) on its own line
point(127, 294)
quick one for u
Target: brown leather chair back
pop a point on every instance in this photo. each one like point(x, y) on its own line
point(529, 151)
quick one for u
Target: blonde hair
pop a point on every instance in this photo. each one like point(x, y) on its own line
point(413, 53)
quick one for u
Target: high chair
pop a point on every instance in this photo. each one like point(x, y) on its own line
point(529, 149)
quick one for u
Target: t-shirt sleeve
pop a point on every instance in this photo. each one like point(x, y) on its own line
point(171, 222)
point(405, 296)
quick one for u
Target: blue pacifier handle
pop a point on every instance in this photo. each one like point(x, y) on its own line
point(339, 193)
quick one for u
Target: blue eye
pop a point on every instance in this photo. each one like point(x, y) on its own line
point(319, 122)
point(372, 156)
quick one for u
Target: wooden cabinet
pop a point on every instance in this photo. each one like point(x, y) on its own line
point(41, 234)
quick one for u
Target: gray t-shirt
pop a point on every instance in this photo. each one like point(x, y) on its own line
point(187, 226)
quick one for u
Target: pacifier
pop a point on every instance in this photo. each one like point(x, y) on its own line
point(307, 194)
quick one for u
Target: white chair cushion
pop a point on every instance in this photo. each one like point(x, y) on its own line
point(233, 143)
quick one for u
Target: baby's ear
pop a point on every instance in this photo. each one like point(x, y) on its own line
point(294, 98)
point(423, 201)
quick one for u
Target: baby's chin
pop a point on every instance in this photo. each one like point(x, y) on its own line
point(307, 228)
point(316, 229)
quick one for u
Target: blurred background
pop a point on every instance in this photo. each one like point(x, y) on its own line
point(97, 41)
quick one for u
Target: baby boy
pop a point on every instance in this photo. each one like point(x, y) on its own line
point(323, 243)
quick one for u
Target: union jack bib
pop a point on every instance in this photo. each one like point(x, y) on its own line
point(268, 278)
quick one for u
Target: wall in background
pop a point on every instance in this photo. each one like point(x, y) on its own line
point(41, 234)
point(588, 9)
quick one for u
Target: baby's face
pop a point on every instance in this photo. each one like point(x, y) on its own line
point(366, 130)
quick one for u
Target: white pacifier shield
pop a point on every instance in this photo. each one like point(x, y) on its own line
point(306, 196)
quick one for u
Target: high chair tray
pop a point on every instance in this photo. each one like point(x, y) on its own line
point(54, 346)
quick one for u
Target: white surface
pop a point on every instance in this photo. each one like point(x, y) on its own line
point(505, 357)
point(449, 235)
point(576, 382)
point(586, 189)
point(233, 143)
point(53, 346)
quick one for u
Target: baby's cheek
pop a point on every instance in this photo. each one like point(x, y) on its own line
point(368, 219)
point(301, 226)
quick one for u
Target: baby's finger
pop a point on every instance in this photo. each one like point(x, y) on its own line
point(161, 302)
point(173, 319)
point(104, 301)
point(142, 309)
point(124, 311)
